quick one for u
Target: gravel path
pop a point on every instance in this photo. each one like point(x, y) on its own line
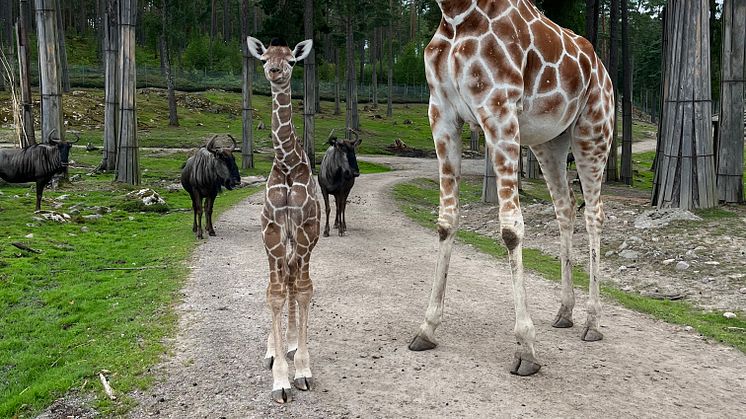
point(371, 291)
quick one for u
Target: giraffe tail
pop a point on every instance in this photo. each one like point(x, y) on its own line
point(291, 253)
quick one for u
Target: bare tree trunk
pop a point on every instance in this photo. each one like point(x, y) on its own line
point(413, 19)
point(362, 63)
point(685, 172)
point(389, 100)
point(612, 171)
point(533, 171)
point(6, 31)
point(474, 143)
point(373, 66)
point(352, 120)
point(226, 21)
point(28, 137)
point(730, 139)
point(337, 71)
point(51, 95)
point(63, 53)
point(489, 186)
point(111, 91)
point(627, 177)
point(591, 21)
point(128, 165)
point(247, 143)
point(173, 117)
point(213, 19)
point(309, 81)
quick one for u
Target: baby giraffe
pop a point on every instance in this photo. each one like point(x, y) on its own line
point(290, 223)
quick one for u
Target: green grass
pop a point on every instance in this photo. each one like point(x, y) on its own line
point(66, 316)
point(419, 201)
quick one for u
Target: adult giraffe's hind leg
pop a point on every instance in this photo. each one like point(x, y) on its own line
point(552, 158)
point(502, 134)
point(446, 135)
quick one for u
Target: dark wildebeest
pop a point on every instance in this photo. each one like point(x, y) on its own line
point(35, 163)
point(204, 175)
point(337, 176)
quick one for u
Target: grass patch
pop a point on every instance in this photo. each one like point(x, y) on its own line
point(419, 201)
point(368, 168)
point(66, 313)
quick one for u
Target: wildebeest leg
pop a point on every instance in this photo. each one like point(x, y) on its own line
point(343, 217)
point(39, 190)
point(338, 210)
point(198, 201)
point(208, 216)
point(195, 205)
point(327, 209)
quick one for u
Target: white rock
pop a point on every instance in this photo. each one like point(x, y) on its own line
point(629, 254)
point(661, 218)
point(729, 315)
point(688, 328)
point(742, 290)
point(29, 236)
point(84, 229)
point(609, 253)
point(682, 266)
point(669, 261)
point(712, 262)
point(623, 246)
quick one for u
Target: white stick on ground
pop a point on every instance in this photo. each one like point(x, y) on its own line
point(107, 388)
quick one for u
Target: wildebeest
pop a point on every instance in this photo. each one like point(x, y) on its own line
point(337, 176)
point(35, 163)
point(204, 175)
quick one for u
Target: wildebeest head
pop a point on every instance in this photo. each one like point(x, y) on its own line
point(344, 156)
point(228, 170)
point(63, 147)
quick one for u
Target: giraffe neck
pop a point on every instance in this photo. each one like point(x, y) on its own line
point(284, 141)
point(453, 9)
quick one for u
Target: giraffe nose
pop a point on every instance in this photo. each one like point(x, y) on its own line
point(274, 70)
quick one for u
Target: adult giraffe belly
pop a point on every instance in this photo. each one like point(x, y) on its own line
point(544, 119)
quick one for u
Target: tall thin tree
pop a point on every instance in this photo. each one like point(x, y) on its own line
point(28, 136)
point(309, 82)
point(733, 72)
point(111, 83)
point(65, 73)
point(247, 143)
point(173, 117)
point(389, 99)
point(612, 171)
point(685, 167)
point(626, 98)
point(128, 164)
point(49, 71)
point(353, 119)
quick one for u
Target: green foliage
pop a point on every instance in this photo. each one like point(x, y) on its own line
point(410, 67)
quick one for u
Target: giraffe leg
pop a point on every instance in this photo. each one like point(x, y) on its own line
point(277, 292)
point(503, 137)
point(303, 379)
point(552, 156)
point(591, 153)
point(291, 334)
point(447, 138)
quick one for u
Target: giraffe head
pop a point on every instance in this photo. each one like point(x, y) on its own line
point(278, 60)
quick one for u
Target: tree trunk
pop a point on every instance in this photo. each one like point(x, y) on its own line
point(362, 63)
point(111, 91)
point(6, 31)
point(685, 172)
point(413, 19)
point(213, 19)
point(612, 171)
point(51, 95)
point(173, 117)
point(337, 71)
point(389, 100)
point(63, 53)
point(309, 81)
point(373, 65)
point(28, 137)
point(627, 176)
point(226, 21)
point(128, 165)
point(731, 120)
point(489, 186)
point(247, 141)
point(474, 143)
point(591, 21)
point(352, 120)
point(533, 171)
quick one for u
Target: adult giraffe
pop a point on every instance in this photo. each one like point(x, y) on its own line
point(502, 65)
point(290, 223)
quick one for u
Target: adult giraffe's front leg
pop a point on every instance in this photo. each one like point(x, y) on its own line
point(502, 136)
point(446, 128)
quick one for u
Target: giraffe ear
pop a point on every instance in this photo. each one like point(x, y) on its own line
point(256, 48)
point(302, 50)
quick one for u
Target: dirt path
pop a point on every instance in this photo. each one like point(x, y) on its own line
point(371, 290)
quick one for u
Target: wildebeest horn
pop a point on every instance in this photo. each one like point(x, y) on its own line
point(233, 148)
point(77, 137)
point(211, 144)
point(49, 137)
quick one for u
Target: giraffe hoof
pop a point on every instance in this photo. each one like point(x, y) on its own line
point(421, 343)
point(562, 322)
point(211, 233)
point(591, 335)
point(290, 355)
point(524, 365)
point(282, 396)
point(303, 383)
point(326, 233)
point(268, 362)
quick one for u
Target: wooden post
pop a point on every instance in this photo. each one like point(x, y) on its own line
point(247, 143)
point(28, 137)
point(685, 170)
point(730, 130)
point(112, 85)
point(128, 165)
point(63, 52)
point(309, 82)
point(533, 171)
point(489, 186)
point(474, 143)
point(49, 67)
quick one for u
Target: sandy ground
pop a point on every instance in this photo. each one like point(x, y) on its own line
point(371, 291)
